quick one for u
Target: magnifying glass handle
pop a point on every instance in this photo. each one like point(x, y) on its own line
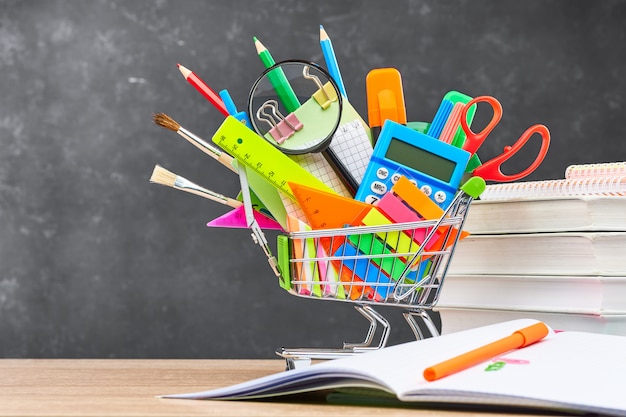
point(344, 174)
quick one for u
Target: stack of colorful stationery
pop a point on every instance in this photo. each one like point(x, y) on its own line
point(551, 250)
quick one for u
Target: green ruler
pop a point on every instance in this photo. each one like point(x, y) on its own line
point(263, 158)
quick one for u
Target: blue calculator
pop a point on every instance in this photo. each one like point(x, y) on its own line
point(435, 167)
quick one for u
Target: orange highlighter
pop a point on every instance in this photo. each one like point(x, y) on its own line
point(519, 339)
point(385, 98)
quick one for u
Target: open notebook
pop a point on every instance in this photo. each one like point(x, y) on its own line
point(567, 371)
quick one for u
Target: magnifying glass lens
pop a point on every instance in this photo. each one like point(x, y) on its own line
point(296, 106)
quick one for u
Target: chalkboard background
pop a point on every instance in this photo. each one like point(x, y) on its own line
point(97, 262)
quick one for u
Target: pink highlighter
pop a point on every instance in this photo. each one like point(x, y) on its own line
point(398, 212)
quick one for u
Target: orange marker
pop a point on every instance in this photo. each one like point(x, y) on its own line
point(385, 98)
point(519, 339)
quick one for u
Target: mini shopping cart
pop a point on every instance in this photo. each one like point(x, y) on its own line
point(399, 264)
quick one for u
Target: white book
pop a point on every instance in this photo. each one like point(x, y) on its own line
point(568, 371)
point(545, 293)
point(593, 253)
point(611, 185)
point(458, 319)
point(557, 214)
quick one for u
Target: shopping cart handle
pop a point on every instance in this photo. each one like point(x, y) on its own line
point(474, 187)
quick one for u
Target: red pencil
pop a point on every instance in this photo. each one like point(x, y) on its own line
point(204, 89)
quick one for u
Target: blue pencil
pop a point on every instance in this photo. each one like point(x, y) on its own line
point(331, 60)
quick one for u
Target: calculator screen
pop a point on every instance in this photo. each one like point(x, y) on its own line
point(420, 160)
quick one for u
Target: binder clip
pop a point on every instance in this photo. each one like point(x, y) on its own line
point(325, 94)
point(281, 127)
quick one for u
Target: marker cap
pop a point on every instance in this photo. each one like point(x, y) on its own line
point(385, 97)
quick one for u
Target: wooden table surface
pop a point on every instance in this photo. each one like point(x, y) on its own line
point(128, 387)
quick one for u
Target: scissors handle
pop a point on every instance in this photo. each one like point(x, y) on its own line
point(474, 140)
point(490, 170)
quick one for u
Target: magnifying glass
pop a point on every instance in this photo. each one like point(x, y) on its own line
point(296, 106)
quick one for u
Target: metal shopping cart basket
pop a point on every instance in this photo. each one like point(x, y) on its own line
point(399, 264)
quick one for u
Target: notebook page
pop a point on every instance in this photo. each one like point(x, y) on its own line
point(352, 145)
point(569, 370)
point(396, 369)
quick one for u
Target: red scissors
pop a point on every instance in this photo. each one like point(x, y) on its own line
point(490, 170)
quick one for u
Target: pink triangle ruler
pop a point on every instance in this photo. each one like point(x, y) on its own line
point(237, 218)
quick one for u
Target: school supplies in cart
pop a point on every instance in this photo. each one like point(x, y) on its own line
point(376, 261)
point(362, 218)
point(391, 264)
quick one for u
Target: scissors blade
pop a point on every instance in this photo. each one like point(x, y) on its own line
point(491, 170)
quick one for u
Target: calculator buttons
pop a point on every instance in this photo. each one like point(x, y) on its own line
point(378, 187)
point(382, 173)
point(440, 197)
point(395, 177)
point(426, 190)
point(371, 199)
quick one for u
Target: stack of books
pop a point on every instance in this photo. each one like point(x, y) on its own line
point(551, 250)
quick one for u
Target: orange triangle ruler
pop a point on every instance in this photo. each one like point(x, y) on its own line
point(325, 210)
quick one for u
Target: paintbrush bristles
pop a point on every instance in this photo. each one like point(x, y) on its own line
point(162, 176)
point(165, 121)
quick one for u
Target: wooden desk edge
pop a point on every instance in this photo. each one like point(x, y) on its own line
point(128, 387)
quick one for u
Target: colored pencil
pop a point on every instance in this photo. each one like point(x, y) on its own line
point(277, 78)
point(204, 89)
point(331, 60)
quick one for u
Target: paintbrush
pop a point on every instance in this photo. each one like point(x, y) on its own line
point(162, 176)
point(167, 122)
